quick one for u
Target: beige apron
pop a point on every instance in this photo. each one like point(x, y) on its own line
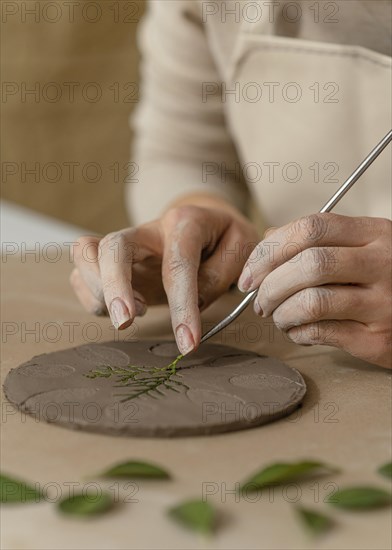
point(304, 114)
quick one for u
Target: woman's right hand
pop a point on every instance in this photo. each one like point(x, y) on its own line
point(188, 258)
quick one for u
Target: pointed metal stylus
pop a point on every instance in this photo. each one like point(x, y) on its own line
point(326, 208)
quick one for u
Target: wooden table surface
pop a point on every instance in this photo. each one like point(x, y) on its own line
point(345, 421)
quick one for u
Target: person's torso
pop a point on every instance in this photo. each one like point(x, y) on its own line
point(307, 94)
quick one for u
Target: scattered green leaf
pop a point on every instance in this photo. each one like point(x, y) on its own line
point(282, 472)
point(133, 469)
point(196, 515)
point(84, 504)
point(15, 490)
point(385, 469)
point(315, 522)
point(360, 498)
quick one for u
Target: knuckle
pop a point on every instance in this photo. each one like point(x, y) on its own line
point(255, 256)
point(322, 333)
point(175, 267)
point(265, 255)
point(118, 246)
point(116, 237)
point(281, 320)
point(312, 334)
point(266, 291)
point(179, 310)
point(318, 262)
point(178, 214)
point(312, 228)
point(316, 302)
point(310, 268)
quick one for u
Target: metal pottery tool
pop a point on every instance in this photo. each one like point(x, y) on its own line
point(326, 208)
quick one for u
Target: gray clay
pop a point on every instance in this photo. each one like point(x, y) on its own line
point(217, 389)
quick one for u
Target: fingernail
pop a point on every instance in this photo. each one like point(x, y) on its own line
point(257, 308)
point(119, 313)
point(141, 307)
point(184, 339)
point(245, 281)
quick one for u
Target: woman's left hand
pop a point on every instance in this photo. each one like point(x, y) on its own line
point(326, 279)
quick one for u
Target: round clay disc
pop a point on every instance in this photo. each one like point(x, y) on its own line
point(115, 388)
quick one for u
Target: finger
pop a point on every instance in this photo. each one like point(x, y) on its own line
point(222, 269)
point(354, 337)
point(315, 267)
point(86, 258)
point(85, 254)
point(351, 336)
point(186, 232)
point(89, 301)
point(340, 334)
point(326, 302)
point(180, 266)
point(85, 296)
point(308, 232)
point(117, 254)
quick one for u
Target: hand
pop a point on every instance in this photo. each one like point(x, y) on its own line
point(189, 257)
point(326, 279)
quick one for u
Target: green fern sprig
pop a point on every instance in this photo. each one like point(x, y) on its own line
point(142, 380)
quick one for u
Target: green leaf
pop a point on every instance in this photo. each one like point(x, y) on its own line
point(15, 490)
point(84, 504)
point(196, 515)
point(133, 469)
point(385, 469)
point(282, 472)
point(360, 498)
point(315, 522)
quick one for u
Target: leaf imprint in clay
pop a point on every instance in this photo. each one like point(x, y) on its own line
point(143, 388)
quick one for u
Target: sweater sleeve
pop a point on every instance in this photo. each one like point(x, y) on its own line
point(182, 145)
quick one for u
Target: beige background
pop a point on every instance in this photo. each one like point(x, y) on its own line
point(97, 47)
